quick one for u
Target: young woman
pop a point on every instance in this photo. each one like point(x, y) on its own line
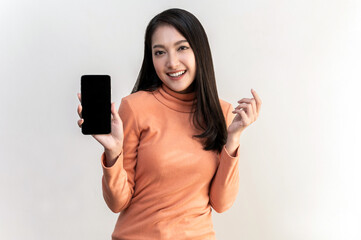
point(173, 151)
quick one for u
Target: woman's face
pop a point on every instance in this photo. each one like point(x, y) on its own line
point(173, 59)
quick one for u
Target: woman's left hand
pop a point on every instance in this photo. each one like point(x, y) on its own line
point(247, 112)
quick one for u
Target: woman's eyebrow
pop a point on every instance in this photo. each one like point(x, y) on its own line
point(175, 44)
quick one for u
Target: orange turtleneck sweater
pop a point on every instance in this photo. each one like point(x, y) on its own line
point(164, 183)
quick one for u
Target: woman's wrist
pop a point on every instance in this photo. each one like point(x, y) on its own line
point(232, 144)
point(111, 156)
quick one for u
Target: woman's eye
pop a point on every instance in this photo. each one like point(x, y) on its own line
point(158, 53)
point(183, 48)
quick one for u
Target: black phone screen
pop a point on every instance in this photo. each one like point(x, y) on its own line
point(95, 101)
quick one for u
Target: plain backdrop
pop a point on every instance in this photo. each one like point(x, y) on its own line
point(299, 162)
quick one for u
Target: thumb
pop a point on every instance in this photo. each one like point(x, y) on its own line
point(115, 112)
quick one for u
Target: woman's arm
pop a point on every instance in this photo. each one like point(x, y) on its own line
point(119, 169)
point(224, 187)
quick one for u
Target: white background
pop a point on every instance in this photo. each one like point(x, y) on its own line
point(299, 163)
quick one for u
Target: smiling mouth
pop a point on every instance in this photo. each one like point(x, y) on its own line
point(177, 74)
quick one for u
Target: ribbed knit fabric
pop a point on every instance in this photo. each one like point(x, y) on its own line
point(164, 184)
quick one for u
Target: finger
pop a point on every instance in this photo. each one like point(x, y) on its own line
point(248, 107)
point(254, 109)
point(258, 100)
point(242, 106)
point(115, 112)
point(249, 111)
point(80, 108)
point(80, 122)
point(79, 96)
point(246, 100)
point(245, 118)
point(239, 111)
point(243, 115)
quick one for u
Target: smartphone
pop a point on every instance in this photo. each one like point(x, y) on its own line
point(96, 104)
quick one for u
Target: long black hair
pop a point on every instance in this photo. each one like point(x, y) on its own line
point(208, 116)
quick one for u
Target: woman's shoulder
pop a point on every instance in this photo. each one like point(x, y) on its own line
point(138, 96)
point(227, 109)
point(225, 105)
point(138, 99)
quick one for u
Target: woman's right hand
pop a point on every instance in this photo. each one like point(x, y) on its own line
point(112, 142)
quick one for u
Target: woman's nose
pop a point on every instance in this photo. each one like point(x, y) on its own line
point(172, 61)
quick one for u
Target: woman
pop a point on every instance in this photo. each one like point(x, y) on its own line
point(173, 151)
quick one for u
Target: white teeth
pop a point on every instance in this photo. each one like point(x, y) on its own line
point(176, 74)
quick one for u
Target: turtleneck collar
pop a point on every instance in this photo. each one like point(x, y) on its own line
point(181, 102)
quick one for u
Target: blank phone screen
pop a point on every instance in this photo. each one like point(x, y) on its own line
point(95, 100)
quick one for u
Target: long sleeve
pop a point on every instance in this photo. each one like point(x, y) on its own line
point(225, 184)
point(118, 180)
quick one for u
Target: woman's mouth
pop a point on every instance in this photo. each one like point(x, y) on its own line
point(177, 75)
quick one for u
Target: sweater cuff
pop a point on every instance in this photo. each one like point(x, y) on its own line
point(225, 154)
point(117, 166)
